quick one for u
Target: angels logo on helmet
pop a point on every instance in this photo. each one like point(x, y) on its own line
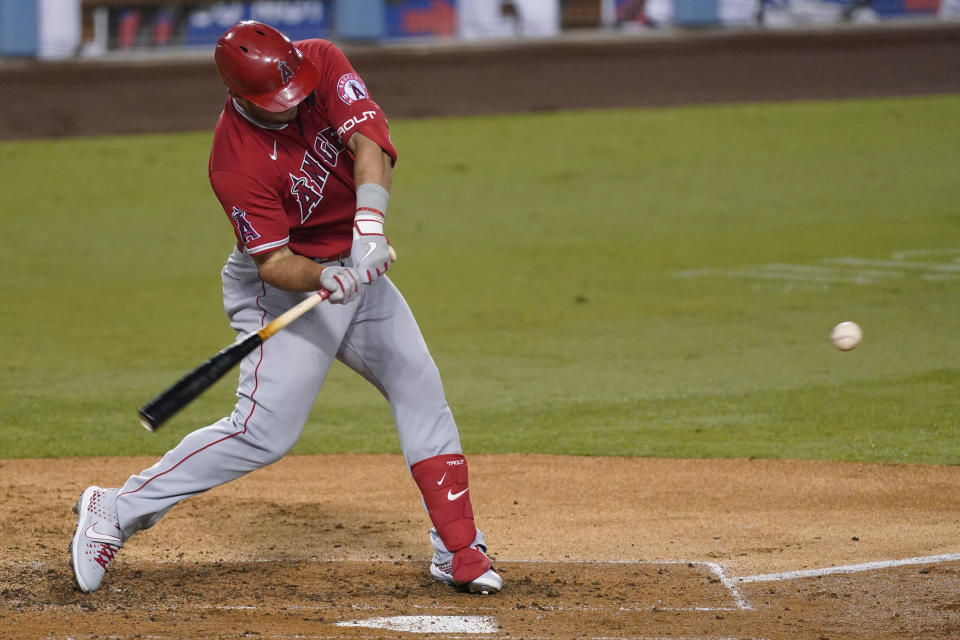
point(285, 73)
point(260, 64)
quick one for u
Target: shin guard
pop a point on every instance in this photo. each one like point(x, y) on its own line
point(443, 482)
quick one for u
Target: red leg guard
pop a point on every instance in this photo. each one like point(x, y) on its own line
point(443, 483)
point(469, 564)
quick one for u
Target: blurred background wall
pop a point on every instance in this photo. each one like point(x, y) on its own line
point(60, 29)
point(95, 67)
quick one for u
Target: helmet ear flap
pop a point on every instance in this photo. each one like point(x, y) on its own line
point(260, 64)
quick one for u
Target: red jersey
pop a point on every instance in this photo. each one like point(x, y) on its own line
point(292, 184)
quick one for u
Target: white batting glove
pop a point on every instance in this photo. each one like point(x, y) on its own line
point(343, 283)
point(369, 252)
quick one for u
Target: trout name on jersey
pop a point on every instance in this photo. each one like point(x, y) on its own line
point(354, 121)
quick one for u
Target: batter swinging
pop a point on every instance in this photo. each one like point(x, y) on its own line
point(302, 163)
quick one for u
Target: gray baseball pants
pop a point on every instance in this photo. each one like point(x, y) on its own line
point(375, 335)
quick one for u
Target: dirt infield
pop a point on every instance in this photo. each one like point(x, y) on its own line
point(588, 547)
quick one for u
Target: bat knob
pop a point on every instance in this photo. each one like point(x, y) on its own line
point(146, 423)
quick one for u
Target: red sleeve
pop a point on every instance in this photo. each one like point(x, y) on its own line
point(344, 96)
point(257, 215)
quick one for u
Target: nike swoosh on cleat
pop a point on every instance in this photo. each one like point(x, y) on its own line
point(93, 534)
point(371, 246)
point(453, 496)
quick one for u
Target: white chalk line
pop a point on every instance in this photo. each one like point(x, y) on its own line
point(920, 253)
point(399, 636)
point(300, 636)
point(428, 624)
point(844, 269)
point(895, 264)
point(850, 568)
point(731, 586)
point(759, 273)
point(729, 582)
point(740, 604)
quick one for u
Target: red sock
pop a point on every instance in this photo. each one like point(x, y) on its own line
point(443, 483)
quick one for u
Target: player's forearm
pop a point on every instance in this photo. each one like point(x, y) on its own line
point(371, 163)
point(286, 270)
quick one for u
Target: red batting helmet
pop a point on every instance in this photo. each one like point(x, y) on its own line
point(259, 63)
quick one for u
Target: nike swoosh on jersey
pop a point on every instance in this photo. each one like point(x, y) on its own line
point(453, 496)
point(273, 156)
point(93, 534)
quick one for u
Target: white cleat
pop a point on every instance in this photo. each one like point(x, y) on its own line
point(468, 569)
point(487, 583)
point(98, 537)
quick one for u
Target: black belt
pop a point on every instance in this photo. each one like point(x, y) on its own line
point(343, 255)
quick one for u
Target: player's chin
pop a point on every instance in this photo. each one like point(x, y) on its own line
point(277, 117)
point(283, 117)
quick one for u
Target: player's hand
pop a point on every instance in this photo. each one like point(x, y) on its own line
point(343, 283)
point(370, 251)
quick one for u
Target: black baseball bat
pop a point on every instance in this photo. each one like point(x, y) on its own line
point(184, 391)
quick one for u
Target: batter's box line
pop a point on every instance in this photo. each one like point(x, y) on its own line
point(446, 637)
point(740, 603)
point(730, 584)
point(850, 568)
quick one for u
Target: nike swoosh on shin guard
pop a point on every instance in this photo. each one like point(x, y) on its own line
point(450, 510)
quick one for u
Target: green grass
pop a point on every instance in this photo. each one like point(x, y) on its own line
point(655, 282)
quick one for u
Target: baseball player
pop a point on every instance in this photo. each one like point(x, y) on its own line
point(302, 162)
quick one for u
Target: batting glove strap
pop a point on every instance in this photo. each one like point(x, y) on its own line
point(372, 202)
point(368, 222)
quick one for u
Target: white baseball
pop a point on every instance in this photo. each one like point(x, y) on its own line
point(846, 335)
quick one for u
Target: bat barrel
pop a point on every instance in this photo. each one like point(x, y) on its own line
point(185, 390)
point(181, 393)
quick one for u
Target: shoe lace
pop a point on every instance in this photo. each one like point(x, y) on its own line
point(105, 554)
